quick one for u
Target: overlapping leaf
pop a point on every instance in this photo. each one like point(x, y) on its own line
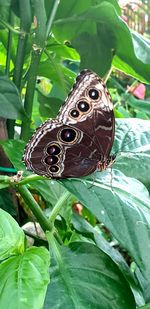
point(83, 276)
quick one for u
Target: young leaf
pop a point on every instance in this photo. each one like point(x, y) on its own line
point(11, 236)
point(24, 279)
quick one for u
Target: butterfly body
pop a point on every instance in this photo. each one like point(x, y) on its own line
point(80, 139)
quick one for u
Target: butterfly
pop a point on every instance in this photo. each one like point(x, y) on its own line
point(80, 139)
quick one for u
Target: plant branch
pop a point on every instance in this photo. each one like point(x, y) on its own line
point(25, 24)
point(41, 33)
point(46, 225)
point(51, 17)
point(58, 206)
point(31, 178)
point(11, 19)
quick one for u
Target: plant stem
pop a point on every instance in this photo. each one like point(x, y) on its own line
point(25, 24)
point(35, 208)
point(28, 104)
point(37, 48)
point(8, 26)
point(58, 206)
point(41, 34)
point(10, 122)
point(51, 17)
point(54, 247)
point(105, 79)
point(11, 20)
point(31, 178)
point(45, 224)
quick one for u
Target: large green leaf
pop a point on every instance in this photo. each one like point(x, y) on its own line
point(122, 204)
point(49, 106)
point(82, 226)
point(24, 279)
point(10, 102)
point(85, 277)
point(58, 73)
point(49, 189)
point(101, 26)
point(132, 148)
point(4, 10)
point(11, 236)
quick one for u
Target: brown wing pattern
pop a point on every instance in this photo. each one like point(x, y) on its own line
point(72, 144)
point(98, 119)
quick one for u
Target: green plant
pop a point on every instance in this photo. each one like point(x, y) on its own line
point(82, 264)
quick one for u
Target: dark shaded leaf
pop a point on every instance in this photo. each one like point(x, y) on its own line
point(10, 102)
point(83, 277)
point(122, 204)
point(97, 23)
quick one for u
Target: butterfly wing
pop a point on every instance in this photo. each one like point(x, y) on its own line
point(89, 108)
point(60, 151)
point(73, 143)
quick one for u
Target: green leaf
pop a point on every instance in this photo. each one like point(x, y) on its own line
point(136, 49)
point(49, 106)
point(14, 150)
point(132, 148)
point(4, 10)
point(122, 204)
point(50, 190)
point(58, 73)
point(145, 307)
point(83, 226)
point(6, 202)
point(85, 277)
point(11, 236)
point(84, 45)
point(110, 36)
point(24, 279)
point(3, 185)
point(10, 102)
point(142, 105)
point(63, 51)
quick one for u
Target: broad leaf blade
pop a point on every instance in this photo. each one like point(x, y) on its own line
point(84, 277)
point(97, 23)
point(11, 236)
point(83, 226)
point(24, 279)
point(122, 204)
point(132, 148)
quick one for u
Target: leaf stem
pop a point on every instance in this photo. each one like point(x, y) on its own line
point(51, 17)
point(35, 208)
point(54, 248)
point(9, 43)
point(28, 104)
point(37, 48)
point(41, 34)
point(8, 26)
point(25, 24)
point(58, 206)
point(31, 178)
